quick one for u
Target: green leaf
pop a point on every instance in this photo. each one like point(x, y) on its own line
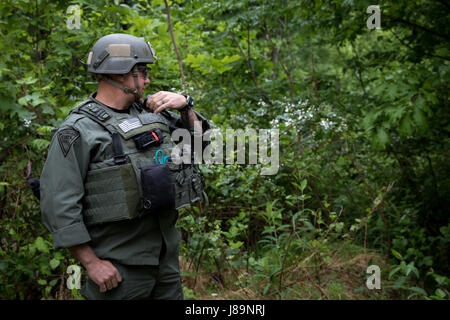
point(27, 80)
point(42, 282)
point(53, 282)
point(428, 261)
point(381, 138)
point(411, 268)
point(339, 226)
point(441, 280)
point(399, 283)
point(309, 225)
point(440, 293)
point(405, 128)
point(41, 245)
point(36, 99)
point(394, 271)
point(40, 144)
point(418, 290)
point(47, 109)
point(266, 288)
point(24, 100)
point(43, 130)
point(303, 184)
point(397, 254)
point(420, 119)
point(54, 263)
point(6, 103)
point(396, 113)
point(230, 59)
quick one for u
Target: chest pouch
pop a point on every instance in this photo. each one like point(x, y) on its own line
point(158, 191)
point(188, 185)
point(111, 194)
point(148, 139)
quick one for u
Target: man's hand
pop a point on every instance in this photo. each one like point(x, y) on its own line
point(164, 99)
point(103, 273)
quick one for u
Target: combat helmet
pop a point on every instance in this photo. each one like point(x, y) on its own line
point(120, 53)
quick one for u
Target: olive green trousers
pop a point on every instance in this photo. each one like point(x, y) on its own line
point(161, 282)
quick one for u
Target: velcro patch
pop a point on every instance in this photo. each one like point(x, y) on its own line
point(147, 118)
point(119, 50)
point(66, 138)
point(130, 124)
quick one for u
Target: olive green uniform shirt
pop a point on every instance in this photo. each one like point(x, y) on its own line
point(132, 242)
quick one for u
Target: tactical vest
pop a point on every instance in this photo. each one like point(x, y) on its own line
point(140, 179)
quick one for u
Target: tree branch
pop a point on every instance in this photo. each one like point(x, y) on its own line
point(313, 76)
point(411, 48)
point(247, 59)
point(359, 68)
point(180, 61)
point(252, 72)
point(416, 26)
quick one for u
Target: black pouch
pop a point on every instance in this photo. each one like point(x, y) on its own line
point(157, 187)
point(148, 139)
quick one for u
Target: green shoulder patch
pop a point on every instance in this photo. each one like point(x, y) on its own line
point(66, 138)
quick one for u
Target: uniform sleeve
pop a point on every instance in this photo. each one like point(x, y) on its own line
point(205, 127)
point(205, 123)
point(62, 187)
point(177, 122)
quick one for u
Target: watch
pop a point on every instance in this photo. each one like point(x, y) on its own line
point(189, 103)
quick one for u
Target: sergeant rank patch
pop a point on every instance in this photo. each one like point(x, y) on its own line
point(66, 138)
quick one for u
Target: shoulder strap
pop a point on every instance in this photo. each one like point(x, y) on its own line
point(103, 118)
point(119, 156)
point(95, 113)
point(172, 119)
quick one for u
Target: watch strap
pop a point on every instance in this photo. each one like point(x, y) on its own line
point(189, 103)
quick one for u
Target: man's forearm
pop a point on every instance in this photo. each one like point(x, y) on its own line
point(84, 254)
point(102, 272)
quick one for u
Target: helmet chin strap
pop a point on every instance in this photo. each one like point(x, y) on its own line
point(135, 91)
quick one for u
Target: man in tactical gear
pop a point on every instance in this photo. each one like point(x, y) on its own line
point(109, 191)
